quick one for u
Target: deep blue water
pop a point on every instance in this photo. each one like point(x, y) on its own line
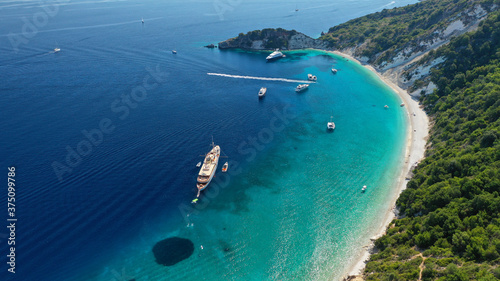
point(292, 209)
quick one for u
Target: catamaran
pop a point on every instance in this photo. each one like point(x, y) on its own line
point(208, 168)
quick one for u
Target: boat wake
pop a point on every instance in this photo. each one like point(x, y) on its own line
point(261, 78)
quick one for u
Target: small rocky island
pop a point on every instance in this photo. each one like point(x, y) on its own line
point(271, 38)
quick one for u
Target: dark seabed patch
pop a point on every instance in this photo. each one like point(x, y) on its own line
point(172, 250)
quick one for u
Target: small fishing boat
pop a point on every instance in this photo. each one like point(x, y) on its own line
point(402, 104)
point(386, 106)
point(262, 92)
point(142, 20)
point(301, 87)
point(224, 168)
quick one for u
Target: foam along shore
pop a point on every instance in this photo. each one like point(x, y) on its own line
point(416, 139)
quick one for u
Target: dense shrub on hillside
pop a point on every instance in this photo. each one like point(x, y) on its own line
point(451, 207)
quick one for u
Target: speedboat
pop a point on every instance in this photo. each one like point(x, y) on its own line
point(262, 92)
point(275, 55)
point(301, 87)
point(174, 52)
point(334, 71)
point(57, 50)
point(311, 77)
point(142, 20)
point(363, 189)
point(208, 168)
point(402, 104)
point(224, 168)
point(331, 124)
point(198, 165)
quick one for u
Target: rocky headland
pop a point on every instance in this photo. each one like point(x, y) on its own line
point(397, 55)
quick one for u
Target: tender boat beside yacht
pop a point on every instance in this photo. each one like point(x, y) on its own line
point(224, 168)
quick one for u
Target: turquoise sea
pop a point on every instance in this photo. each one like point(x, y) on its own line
point(105, 135)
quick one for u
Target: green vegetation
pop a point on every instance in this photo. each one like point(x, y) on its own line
point(380, 36)
point(450, 229)
point(272, 38)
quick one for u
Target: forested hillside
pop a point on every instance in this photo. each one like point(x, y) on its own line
point(449, 225)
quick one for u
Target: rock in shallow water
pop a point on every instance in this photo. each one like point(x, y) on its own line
point(172, 250)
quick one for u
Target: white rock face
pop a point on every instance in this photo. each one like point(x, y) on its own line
point(426, 90)
point(457, 25)
point(424, 70)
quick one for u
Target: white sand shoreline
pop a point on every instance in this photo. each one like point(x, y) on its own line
point(417, 134)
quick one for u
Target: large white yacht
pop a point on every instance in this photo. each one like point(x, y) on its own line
point(208, 168)
point(274, 55)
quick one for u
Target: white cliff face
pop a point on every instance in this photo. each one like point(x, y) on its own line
point(422, 70)
point(425, 90)
point(403, 68)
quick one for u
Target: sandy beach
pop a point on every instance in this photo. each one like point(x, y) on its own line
point(417, 134)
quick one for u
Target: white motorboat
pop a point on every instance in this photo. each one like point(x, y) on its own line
point(331, 124)
point(334, 71)
point(301, 87)
point(262, 92)
point(311, 77)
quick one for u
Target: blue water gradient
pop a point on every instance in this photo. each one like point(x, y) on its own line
point(290, 209)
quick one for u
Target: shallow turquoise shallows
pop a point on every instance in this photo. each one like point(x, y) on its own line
point(290, 206)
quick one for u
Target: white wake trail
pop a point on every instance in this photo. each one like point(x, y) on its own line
point(260, 78)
